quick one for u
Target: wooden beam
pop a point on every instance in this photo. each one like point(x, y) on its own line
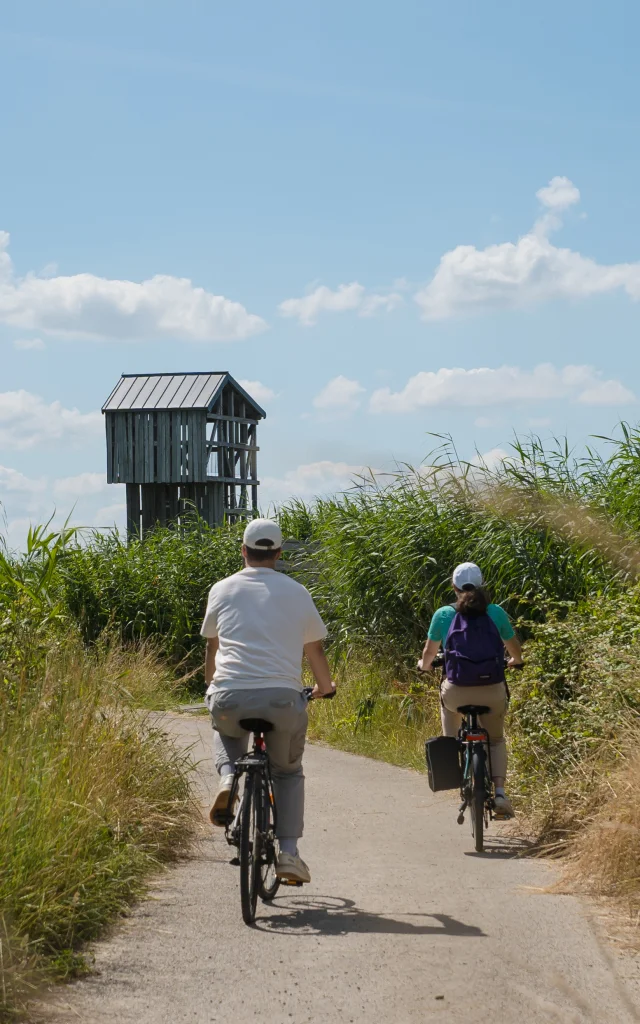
point(232, 480)
point(230, 444)
point(234, 419)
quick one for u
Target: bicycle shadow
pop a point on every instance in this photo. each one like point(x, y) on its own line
point(505, 848)
point(334, 915)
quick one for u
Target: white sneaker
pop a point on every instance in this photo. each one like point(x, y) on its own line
point(503, 807)
point(220, 806)
point(291, 867)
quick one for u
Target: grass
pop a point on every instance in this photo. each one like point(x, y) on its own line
point(605, 854)
point(376, 715)
point(92, 799)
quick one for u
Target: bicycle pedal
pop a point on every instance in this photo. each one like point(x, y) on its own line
point(290, 881)
point(502, 817)
point(221, 819)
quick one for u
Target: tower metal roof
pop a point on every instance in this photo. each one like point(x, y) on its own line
point(136, 391)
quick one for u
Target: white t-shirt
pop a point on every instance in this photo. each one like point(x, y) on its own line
point(262, 619)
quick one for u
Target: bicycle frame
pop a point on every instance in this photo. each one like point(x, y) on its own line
point(257, 810)
point(256, 761)
point(473, 738)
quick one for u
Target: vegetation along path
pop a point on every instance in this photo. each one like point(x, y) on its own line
point(401, 923)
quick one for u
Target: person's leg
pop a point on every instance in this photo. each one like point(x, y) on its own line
point(230, 742)
point(227, 750)
point(449, 701)
point(285, 746)
point(495, 698)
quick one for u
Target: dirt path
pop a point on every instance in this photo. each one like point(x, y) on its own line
point(400, 924)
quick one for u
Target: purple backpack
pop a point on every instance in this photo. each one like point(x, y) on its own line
point(473, 651)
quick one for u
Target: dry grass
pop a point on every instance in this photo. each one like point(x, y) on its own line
point(92, 799)
point(605, 852)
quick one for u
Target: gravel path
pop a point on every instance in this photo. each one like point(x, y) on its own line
point(402, 923)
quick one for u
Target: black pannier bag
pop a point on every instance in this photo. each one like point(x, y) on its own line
point(443, 763)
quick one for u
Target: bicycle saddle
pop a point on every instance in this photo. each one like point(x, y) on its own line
point(469, 709)
point(255, 725)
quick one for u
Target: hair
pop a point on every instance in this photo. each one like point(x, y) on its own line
point(263, 554)
point(473, 600)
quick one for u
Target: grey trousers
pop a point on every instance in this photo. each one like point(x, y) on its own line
point(286, 709)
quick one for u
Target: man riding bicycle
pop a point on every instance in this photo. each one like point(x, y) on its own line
point(258, 624)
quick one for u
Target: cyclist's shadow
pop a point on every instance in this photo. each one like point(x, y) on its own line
point(334, 915)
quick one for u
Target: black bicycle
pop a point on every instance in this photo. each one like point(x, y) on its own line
point(252, 829)
point(476, 788)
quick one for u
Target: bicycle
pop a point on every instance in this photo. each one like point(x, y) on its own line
point(476, 787)
point(252, 829)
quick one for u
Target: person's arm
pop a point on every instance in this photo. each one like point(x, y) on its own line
point(317, 659)
point(508, 636)
point(210, 658)
point(514, 648)
point(429, 652)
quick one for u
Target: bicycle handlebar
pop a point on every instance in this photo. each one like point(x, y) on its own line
point(308, 690)
point(438, 662)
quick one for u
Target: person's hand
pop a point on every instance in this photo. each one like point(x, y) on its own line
point(317, 693)
point(512, 663)
point(425, 665)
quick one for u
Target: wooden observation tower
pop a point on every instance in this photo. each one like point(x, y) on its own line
point(181, 441)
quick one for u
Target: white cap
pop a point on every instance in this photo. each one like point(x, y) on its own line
point(465, 574)
point(263, 535)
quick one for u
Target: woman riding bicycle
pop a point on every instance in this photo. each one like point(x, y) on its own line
point(474, 622)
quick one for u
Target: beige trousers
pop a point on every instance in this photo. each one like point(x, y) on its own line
point(493, 696)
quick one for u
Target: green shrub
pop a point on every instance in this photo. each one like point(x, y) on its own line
point(151, 588)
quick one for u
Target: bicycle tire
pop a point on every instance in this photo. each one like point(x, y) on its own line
point(269, 883)
point(478, 797)
point(249, 851)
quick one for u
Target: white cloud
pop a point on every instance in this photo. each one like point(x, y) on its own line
point(507, 384)
point(26, 420)
point(511, 275)
point(80, 486)
point(380, 303)
point(86, 306)
point(83, 499)
point(26, 344)
point(260, 392)
point(606, 392)
point(13, 480)
point(308, 308)
point(111, 515)
point(346, 297)
point(313, 479)
point(339, 395)
point(490, 460)
point(559, 194)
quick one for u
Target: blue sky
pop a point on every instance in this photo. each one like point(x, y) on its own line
point(320, 162)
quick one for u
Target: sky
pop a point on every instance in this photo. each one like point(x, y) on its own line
point(389, 221)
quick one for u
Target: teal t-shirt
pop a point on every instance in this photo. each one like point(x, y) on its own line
point(442, 619)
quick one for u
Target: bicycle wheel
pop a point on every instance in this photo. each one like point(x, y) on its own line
point(249, 850)
point(478, 797)
point(269, 881)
